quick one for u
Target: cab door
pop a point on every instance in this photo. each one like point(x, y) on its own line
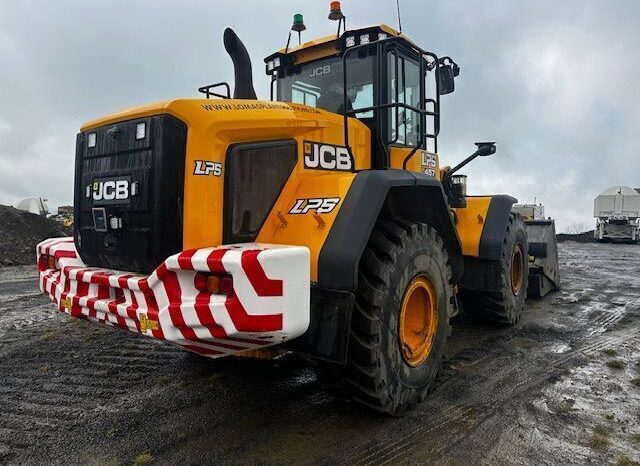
point(404, 122)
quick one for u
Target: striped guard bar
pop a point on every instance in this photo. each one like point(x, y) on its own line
point(260, 297)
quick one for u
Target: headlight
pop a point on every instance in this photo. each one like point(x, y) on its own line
point(350, 41)
point(364, 39)
point(91, 140)
point(270, 65)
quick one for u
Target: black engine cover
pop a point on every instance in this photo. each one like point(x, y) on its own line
point(129, 193)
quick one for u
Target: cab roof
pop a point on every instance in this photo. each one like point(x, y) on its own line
point(327, 45)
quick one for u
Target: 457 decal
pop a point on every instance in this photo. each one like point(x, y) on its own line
point(319, 205)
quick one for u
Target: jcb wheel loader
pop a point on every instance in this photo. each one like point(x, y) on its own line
point(320, 221)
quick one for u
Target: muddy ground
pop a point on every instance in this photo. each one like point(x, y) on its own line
point(561, 388)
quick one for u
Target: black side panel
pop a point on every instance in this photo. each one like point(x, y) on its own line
point(152, 168)
point(482, 275)
point(396, 193)
point(495, 226)
point(328, 335)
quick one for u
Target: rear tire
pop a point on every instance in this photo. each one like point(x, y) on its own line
point(506, 306)
point(401, 317)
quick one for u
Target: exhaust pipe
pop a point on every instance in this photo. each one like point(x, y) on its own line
point(243, 88)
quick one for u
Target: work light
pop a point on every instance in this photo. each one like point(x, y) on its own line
point(141, 130)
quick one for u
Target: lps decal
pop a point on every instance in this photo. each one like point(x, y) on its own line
point(327, 157)
point(429, 162)
point(207, 167)
point(319, 205)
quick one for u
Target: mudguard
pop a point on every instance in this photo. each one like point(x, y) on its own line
point(495, 227)
point(411, 196)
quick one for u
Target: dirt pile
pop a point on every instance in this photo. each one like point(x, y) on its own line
point(585, 237)
point(21, 231)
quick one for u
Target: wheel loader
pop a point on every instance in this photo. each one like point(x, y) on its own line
point(321, 221)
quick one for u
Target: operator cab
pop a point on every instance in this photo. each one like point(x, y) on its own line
point(374, 74)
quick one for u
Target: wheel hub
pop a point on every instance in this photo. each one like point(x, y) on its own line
point(418, 320)
point(517, 269)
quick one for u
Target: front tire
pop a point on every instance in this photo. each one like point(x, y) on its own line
point(505, 306)
point(401, 317)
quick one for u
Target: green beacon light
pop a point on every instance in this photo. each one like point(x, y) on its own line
point(298, 23)
point(298, 26)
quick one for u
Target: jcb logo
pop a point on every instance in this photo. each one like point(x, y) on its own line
point(327, 157)
point(320, 70)
point(109, 191)
point(207, 167)
point(319, 205)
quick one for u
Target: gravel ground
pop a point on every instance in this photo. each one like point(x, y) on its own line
point(563, 387)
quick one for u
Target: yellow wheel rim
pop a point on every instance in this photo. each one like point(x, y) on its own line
point(517, 269)
point(418, 320)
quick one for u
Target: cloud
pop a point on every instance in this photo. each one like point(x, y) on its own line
point(554, 83)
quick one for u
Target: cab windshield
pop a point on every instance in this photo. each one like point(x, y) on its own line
point(321, 84)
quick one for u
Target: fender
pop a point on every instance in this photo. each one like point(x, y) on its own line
point(411, 196)
point(495, 227)
point(482, 270)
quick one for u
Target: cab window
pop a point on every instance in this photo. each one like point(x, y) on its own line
point(321, 84)
point(403, 87)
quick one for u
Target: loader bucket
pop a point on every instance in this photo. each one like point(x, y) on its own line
point(544, 272)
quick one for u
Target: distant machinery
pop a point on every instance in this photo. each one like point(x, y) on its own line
point(529, 211)
point(64, 215)
point(35, 205)
point(544, 275)
point(617, 211)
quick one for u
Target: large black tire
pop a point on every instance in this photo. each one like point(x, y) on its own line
point(506, 306)
point(376, 373)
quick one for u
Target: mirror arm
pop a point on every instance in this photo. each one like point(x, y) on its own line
point(484, 149)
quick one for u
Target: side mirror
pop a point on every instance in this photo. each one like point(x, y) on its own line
point(447, 72)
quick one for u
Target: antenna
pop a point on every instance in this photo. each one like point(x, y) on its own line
point(399, 20)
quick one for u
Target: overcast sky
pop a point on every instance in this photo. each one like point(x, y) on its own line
point(555, 83)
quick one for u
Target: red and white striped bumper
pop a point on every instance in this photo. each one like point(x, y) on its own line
point(266, 300)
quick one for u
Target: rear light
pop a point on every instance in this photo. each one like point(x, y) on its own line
point(226, 285)
point(47, 262)
point(214, 283)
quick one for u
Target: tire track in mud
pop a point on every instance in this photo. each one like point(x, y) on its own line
point(449, 420)
point(74, 378)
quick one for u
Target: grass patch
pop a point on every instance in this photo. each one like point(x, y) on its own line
point(163, 381)
point(598, 442)
point(635, 438)
point(616, 364)
point(600, 437)
point(143, 459)
point(624, 460)
point(609, 417)
point(610, 352)
point(602, 430)
point(50, 335)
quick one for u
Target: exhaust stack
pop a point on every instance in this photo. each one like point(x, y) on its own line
point(243, 88)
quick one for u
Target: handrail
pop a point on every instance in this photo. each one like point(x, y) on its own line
point(207, 90)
